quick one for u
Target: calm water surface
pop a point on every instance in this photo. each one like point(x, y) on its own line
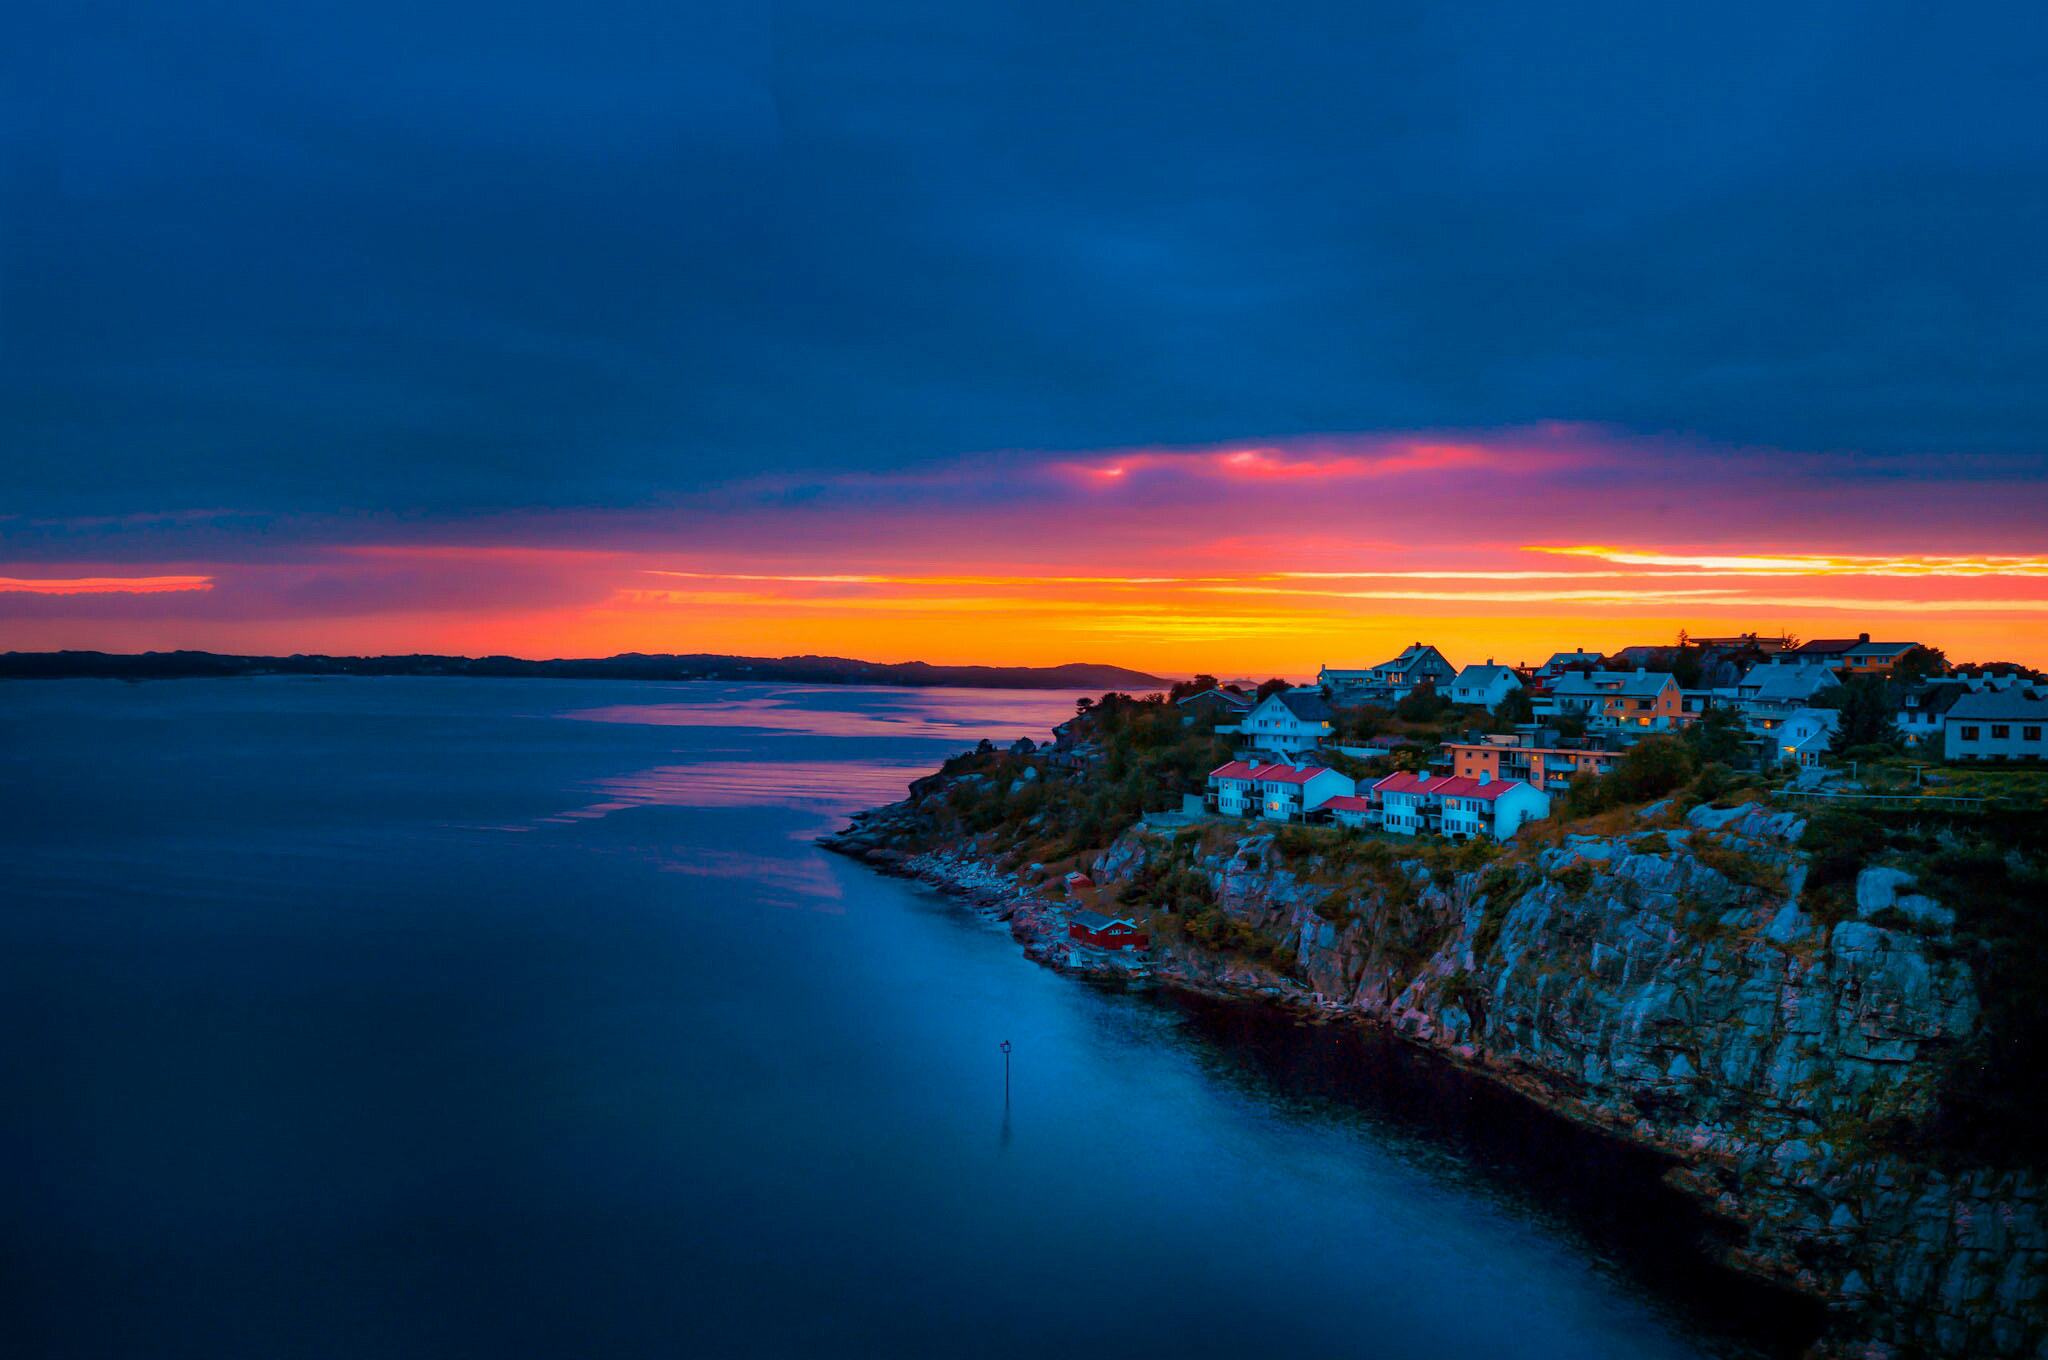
point(413, 1017)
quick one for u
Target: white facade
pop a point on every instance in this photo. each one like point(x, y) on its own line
point(1498, 810)
point(2007, 724)
point(1287, 723)
point(1804, 736)
point(1483, 685)
point(1279, 793)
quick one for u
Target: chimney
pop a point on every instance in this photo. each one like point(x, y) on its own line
point(1485, 778)
point(1863, 637)
point(1489, 661)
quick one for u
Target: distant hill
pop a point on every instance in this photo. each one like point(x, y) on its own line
point(809, 670)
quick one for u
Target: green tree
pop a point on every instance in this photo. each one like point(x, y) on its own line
point(1866, 715)
point(1718, 736)
point(1514, 707)
point(1919, 663)
point(1652, 768)
point(1685, 667)
point(1419, 706)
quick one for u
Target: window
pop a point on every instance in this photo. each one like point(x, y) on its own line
point(1969, 734)
point(2030, 734)
point(2001, 732)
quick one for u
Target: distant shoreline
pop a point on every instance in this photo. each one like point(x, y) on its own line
point(811, 670)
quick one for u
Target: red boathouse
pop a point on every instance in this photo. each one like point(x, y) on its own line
point(1110, 932)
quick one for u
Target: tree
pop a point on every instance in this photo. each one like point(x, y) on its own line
point(1419, 706)
point(1083, 704)
point(1866, 716)
point(1201, 684)
point(1515, 707)
point(1717, 737)
point(1685, 667)
point(1919, 663)
point(1274, 686)
point(1652, 768)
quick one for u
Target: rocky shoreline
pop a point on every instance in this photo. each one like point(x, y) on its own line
point(1639, 990)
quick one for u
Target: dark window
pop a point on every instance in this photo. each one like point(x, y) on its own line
point(1969, 734)
point(2030, 734)
point(2000, 732)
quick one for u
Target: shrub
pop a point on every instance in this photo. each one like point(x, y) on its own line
point(1575, 878)
point(1838, 845)
point(1737, 866)
point(1652, 768)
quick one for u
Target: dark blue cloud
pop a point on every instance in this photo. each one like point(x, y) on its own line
point(438, 258)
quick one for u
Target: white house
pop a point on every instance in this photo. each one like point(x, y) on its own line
point(1280, 793)
point(1636, 699)
point(1483, 685)
point(1458, 806)
point(1994, 724)
point(1489, 807)
point(1287, 722)
point(1804, 735)
point(1390, 681)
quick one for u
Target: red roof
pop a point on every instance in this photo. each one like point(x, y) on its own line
point(1345, 802)
point(1279, 774)
point(1445, 786)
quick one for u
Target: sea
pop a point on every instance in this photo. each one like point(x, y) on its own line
point(420, 1017)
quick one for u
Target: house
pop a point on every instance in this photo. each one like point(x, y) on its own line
point(1418, 665)
point(1390, 681)
point(1634, 700)
point(1408, 802)
point(1804, 736)
point(1847, 657)
point(1277, 792)
point(1924, 709)
point(1107, 932)
point(1221, 704)
point(1560, 662)
point(1288, 722)
point(1457, 806)
point(1483, 685)
point(1767, 695)
point(1548, 769)
point(1996, 725)
point(1489, 807)
point(1353, 810)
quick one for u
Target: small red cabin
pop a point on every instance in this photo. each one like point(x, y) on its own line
point(1110, 932)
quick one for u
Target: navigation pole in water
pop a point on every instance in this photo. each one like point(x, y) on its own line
point(1005, 1046)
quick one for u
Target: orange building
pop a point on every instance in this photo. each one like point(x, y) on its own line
point(1548, 768)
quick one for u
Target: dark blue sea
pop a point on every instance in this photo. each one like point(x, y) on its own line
point(449, 1018)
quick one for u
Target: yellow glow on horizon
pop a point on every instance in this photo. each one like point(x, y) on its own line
point(1844, 564)
point(103, 585)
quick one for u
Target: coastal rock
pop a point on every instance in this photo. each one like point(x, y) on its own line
point(1650, 994)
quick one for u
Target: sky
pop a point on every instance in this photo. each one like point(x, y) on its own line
point(1183, 336)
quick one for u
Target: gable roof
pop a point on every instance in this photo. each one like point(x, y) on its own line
point(1242, 702)
point(1306, 704)
point(1095, 920)
point(1446, 786)
point(1485, 675)
point(1631, 684)
point(1348, 802)
point(1276, 773)
point(1995, 705)
point(1785, 684)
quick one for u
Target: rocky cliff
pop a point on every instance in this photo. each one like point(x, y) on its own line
point(1661, 983)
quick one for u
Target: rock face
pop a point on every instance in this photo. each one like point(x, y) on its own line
point(1666, 987)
